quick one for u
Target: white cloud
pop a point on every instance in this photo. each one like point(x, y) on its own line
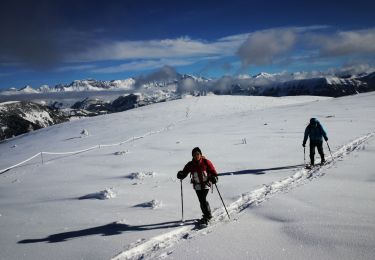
point(183, 47)
point(346, 43)
point(265, 46)
point(262, 47)
point(143, 65)
point(268, 46)
point(75, 67)
point(155, 49)
point(352, 69)
point(310, 28)
point(238, 38)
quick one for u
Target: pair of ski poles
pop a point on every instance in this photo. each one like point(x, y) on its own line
point(182, 202)
point(304, 153)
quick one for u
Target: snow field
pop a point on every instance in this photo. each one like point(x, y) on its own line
point(151, 248)
point(51, 221)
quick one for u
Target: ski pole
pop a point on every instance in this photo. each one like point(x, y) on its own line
point(304, 155)
point(330, 151)
point(182, 203)
point(222, 200)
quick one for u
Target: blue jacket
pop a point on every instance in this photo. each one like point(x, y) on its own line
point(315, 133)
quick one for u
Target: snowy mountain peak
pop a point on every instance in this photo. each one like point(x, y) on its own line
point(123, 83)
point(196, 78)
point(28, 89)
point(263, 75)
point(44, 89)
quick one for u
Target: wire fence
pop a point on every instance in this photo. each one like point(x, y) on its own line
point(134, 138)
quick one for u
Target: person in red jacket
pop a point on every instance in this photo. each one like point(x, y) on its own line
point(203, 175)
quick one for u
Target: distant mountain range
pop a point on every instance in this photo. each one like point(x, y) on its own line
point(46, 106)
point(265, 84)
point(280, 84)
point(77, 85)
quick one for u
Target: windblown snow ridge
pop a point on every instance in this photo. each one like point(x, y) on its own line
point(156, 247)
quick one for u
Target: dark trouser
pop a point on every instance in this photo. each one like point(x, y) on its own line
point(319, 146)
point(205, 207)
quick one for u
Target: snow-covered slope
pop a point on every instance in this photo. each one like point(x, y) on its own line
point(120, 199)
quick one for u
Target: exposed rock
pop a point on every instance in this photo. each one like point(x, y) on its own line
point(21, 117)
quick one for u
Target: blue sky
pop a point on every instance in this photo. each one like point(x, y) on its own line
point(51, 42)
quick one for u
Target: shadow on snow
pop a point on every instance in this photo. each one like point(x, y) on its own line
point(260, 171)
point(118, 228)
point(105, 230)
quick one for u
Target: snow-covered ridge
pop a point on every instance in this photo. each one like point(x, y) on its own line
point(2, 104)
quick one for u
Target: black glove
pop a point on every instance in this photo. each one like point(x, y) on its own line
point(326, 138)
point(181, 175)
point(214, 179)
point(303, 144)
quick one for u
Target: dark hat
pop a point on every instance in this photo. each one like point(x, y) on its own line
point(196, 149)
point(313, 120)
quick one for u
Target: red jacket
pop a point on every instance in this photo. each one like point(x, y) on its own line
point(200, 173)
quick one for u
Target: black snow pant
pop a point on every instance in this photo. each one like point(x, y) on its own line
point(205, 206)
point(319, 146)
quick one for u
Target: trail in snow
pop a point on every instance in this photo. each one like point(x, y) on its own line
point(156, 247)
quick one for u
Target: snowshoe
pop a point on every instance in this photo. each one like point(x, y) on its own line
point(203, 222)
point(202, 225)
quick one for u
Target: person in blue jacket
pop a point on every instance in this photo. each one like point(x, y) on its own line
point(316, 133)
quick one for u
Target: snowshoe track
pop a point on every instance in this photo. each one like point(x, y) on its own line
point(156, 247)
